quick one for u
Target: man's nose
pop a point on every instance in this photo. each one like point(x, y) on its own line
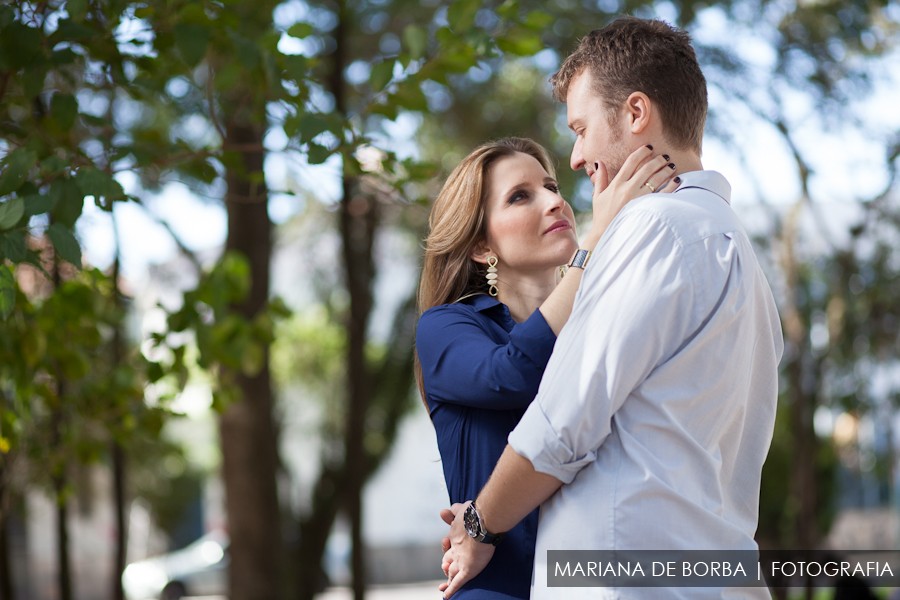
point(576, 160)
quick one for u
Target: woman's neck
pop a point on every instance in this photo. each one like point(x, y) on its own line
point(524, 295)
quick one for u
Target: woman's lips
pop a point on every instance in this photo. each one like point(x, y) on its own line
point(558, 226)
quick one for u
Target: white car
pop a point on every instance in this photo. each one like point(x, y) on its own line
point(199, 569)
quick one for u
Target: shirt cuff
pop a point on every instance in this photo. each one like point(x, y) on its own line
point(535, 439)
point(534, 338)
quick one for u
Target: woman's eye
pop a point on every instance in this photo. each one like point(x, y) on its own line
point(552, 187)
point(516, 196)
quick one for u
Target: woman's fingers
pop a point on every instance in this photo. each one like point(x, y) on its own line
point(654, 174)
point(635, 160)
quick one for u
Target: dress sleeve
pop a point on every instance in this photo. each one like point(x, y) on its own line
point(632, 311)
point(463, 364)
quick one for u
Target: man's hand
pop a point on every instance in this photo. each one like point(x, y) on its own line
point(465, 558)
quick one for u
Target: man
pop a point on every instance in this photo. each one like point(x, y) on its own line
point(656, 411)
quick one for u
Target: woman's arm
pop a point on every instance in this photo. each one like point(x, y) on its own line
point(462, 363)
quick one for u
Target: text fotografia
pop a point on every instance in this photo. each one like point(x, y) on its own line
point(701, 568)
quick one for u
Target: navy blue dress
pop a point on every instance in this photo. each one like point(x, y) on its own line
point(481, 370)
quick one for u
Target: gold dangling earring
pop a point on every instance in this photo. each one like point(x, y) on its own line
point(492, 275)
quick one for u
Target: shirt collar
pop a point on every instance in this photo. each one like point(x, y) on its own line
point(712, 181)
point(482, 302)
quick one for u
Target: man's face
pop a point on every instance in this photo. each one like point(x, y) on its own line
point(597, 140)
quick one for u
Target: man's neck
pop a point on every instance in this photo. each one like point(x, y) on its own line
point(685, 161)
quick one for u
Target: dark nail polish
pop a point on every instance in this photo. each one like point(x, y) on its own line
point(677, 180)
point(672, 166)
point(596, 166)
point(665, 157)
point(649, 146)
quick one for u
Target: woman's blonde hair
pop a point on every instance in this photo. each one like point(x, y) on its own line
point(457, 223)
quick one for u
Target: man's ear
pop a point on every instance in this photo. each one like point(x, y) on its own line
point(640, 110)
point(480, 253)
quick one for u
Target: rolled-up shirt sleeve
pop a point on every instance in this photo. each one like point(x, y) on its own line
point(462, 363)
point(633, 309)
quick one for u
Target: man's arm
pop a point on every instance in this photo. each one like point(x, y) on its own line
point(514, 490)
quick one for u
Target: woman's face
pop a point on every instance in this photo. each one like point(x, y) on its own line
point(530, 227)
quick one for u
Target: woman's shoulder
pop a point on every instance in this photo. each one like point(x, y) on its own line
point(468, 306)
point(465, 312)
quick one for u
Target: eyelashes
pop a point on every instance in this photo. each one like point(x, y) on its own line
point(519, 195)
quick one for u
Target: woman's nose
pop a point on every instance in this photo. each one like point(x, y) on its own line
point(554, 202)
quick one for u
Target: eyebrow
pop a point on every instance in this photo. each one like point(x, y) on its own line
point(523, 184)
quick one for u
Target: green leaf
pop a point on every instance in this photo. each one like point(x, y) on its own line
point(7, 291)
point(64, 242)
point(296, 67)
point(77, 9)
point(410, 96)
point(68, 201)
point(33, 79)
point(12, 246)
point(63, 56)
point(145, 12)
point(389, 110)
point(382, 73)
point(191, 41)
point(20, 46)
point(10, 212)
point(312, 124)
point(94, 182)
point(38, 204)
point(70, 31)
point(508, 10)
point(252, 359)
point(416, 40)
point(301, 30)
point(520, 42)
point(538, 20)
point(461, 14)
point(64, 109)
point(15, 169)
point(458, 61)
point(317, 154)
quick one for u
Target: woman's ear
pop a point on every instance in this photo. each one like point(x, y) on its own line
point(639, 109)
point(480, 253)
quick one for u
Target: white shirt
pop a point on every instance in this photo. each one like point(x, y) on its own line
point(657, 407)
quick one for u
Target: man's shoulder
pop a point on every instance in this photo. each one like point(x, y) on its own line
point(689, 214)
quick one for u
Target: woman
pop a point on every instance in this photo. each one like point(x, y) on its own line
point(493, 305)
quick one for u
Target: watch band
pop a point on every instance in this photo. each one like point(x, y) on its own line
point(580, 258)
point(476, 530)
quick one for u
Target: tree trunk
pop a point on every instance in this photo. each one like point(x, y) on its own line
point(357, 224)
point(59, 481)
point(62, 539)
point(117, 453)
point(6, 572)
point(314, 531)
point(803, 482)
point(249, 448)
point(358, 218)
point(803, 379)
point(118, 474)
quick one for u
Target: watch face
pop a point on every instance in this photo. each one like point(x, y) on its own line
point(470, 520)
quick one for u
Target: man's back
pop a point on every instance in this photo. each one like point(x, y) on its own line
point(660, 413)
